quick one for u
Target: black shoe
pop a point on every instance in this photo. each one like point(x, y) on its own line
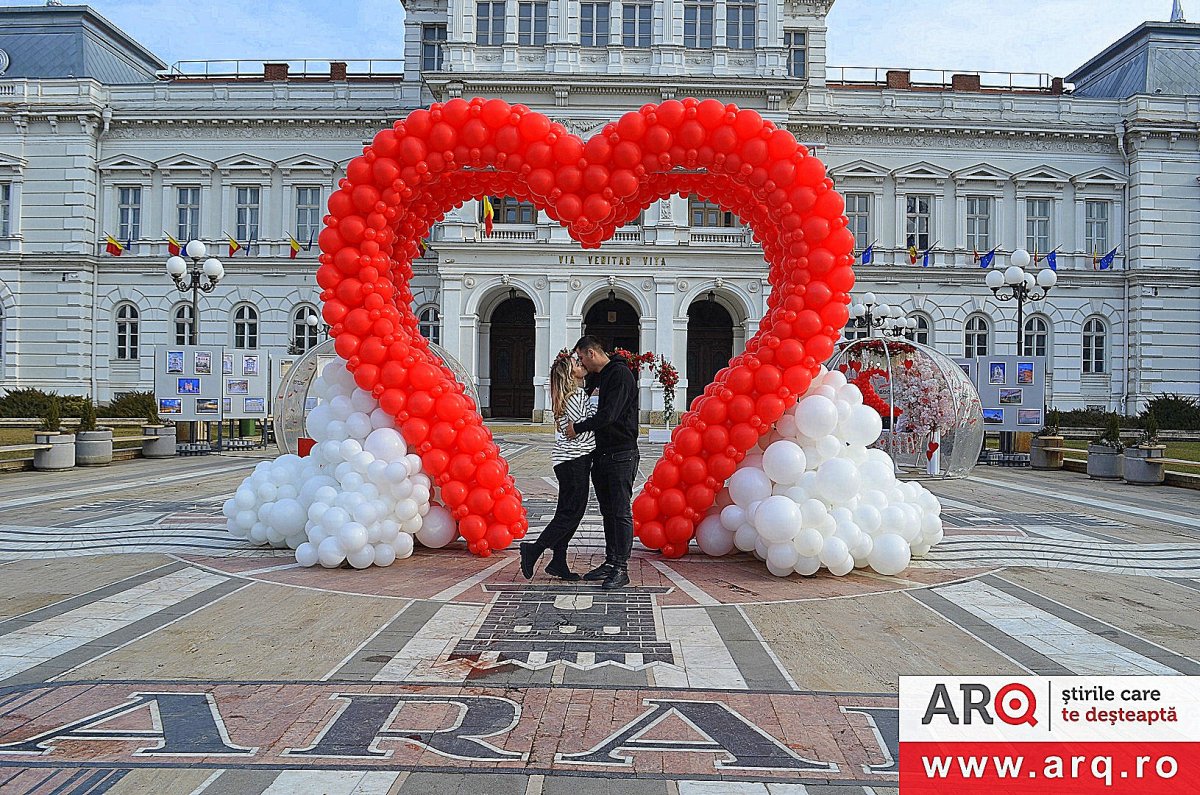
point(562, 572)
point(601, 572)
point(529, 557)
point(618, 579)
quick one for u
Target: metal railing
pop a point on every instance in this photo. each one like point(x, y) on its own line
point(297, 67)
point(940, 78)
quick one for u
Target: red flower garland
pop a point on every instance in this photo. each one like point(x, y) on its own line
point(870, 396)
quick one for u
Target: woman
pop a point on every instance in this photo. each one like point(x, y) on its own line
point(572, 466)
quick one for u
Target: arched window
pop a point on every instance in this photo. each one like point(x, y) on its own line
point(976, 337)
point(1095, 346)
point(430, 324)
point(304, 334)
point(1035, 336)
point(920, 334)
point(245, 327)
point(183, 324)
point(127, 332)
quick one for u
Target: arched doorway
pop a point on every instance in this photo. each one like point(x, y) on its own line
point(709, 343)
point(615, 323)
point(511, 356)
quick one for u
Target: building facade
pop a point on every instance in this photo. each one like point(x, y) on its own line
point(98, 137)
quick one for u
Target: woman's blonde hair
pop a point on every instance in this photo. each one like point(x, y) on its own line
point(562, 384)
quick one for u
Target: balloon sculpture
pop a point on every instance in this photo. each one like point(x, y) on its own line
point(437, 158)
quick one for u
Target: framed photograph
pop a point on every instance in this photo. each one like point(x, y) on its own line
point(174, 361)
point(189, 386)
point(227, 364)
point(996, 373)
point(284, 366)
point(207, 406)
point(170, 405)
point(237, 386)
point(1029, 417)
point(1024, 372)
point(203, 363)
point(250, 364)
point(310, 403)
point(1011, 397)
point(993, 416)
point(255, 405)
point(966, 368)
point(227, 405)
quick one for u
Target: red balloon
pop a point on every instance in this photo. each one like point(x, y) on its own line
point(652, 535)
point(672, 502)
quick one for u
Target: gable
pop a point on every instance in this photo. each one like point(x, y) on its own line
point(858, 169)
point(126, 164)
point(920, 171)
point(245, 162)
point(1041, 174)
point(183, 162)
point(982, 172)
point(310, 163)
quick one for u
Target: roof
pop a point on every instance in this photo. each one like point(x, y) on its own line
point(1153, 58)
point(70, 42)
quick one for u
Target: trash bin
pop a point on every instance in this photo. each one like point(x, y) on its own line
point(247, 428)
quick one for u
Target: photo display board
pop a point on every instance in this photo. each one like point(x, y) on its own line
point(187, 382)
point(245, 384)
point(1012, 390)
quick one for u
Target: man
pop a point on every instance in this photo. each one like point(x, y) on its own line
point(615, 462)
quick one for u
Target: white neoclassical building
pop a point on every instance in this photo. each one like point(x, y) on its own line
point(98, 137)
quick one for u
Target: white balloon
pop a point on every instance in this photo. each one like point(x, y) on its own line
point(813, 512)
point(842, 568)
point(807, 567)
point(816, 416)
point(777, 519)
point(403, 546)
point(362, 401)
point(386, 444)
point(776, 569)
point(381, 419)
point(867, 517)
point(782, 556)
point(437, 529)
point(330, 554)
point(361, 558)
point(749, 485)
point(784, 462)
point(833, 378)
point(863, 426)
point(851, 394)
point(712, 537)
point(352, 537)
point(385, 554)
point(837, 480)
point(891, 554)
point(746, 538)
point(808, 542)
point(833, 551)
point(732, 517)
point(307, 555)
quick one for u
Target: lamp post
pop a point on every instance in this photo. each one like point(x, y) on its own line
point(869, 315)
point(312, 321)
point(897, 326)
point(203, 277)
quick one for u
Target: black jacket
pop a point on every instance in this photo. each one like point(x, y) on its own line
point(616, 420)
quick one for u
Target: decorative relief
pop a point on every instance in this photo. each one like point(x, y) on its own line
point(469, 282)
point(576, 284)
point(647, 285)
point(753, 287)
point(664, 210)
point(540, 284)
point(191, 131)
point(681, 285)
point(581, 127)
point(973, 140)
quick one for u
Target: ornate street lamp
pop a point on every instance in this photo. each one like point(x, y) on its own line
point(203, 277)
point(869, 315)
point(1014, 283)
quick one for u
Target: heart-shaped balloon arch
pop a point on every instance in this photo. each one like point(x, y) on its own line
point(438, 158)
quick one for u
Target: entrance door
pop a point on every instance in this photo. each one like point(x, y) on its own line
point(709, 344)
point(615, 323)
point(511, 356)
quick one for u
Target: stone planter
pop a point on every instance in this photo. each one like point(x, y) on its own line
point(93, 448)
point(660, 435)
point(61, 454)
point(1144, 465)
point(1104, 462)
point(163, 445)
point(1040, 457)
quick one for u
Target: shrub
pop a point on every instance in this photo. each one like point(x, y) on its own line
point(1051, 426)
point(51, 418)
point(1093, 418)
point(131, 405)
point(87, 420)
point(30, 402)
point(1177, 412)
point(1111, 435)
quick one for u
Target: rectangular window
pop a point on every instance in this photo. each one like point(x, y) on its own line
point(187, 213)
point(637, 25)
point(698, 24)
point(511, 211)
point(308, 213)
point(797, 46)
point(5, 209)
point(129, 214)
point(593, 24)
point(710, 214)
point(740, 25)
point(918, 221)
point(979, 223)
point(531, 23)
point(433, 40)
point(1096, 215)
point(489, 24)
point(249, 210)
point(858, 211)
point(1037, 225)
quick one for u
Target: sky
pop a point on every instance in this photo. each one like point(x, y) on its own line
point(1052, 36)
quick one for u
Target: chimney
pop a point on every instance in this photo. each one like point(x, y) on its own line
point(1056, 86)
point(899, 78)
point(964, 82)
point(337, 70)
point(275, 72)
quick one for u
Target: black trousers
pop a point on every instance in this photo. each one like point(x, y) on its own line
point(613, 475)
point(572, 503)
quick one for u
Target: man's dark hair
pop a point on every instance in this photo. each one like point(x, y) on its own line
point(587, 342)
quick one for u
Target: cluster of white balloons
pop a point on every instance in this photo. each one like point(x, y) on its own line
point(812, 494)
point(359, 496)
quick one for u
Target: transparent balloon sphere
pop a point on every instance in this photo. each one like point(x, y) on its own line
point(294, 399)
point(932, 415)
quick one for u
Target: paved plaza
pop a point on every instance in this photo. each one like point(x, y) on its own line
point(142, 649)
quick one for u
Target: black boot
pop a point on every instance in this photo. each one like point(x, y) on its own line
point(601, 572)
point(560, 569)
point(529, 558)
point(619, 578)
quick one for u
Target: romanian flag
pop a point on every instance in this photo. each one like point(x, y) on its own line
point(295, 246)
point(489, 216)
point(976, 252)
point(173, 247)
point(234, 246)
point(111, 246)
point(422, 247)
point(912, 253)
point(1095, 259)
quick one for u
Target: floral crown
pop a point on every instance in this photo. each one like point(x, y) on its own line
point(565, 353)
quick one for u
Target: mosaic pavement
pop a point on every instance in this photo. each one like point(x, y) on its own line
point(143, 650)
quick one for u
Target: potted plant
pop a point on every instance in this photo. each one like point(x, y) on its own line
point(1041, 452)
point(162, 445)
point(1104, 461)
point(1143, 462)
point(93, 445)
point(668, 378)
point(61, 451)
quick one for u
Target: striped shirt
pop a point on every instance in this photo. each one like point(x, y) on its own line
point(579, 407)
